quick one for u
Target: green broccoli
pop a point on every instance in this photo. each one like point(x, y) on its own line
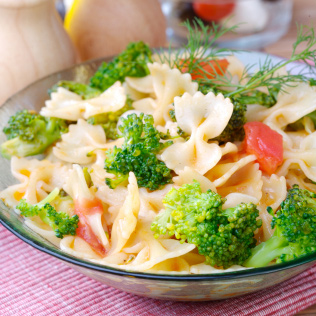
point(295, 230)
point(132, 62)
point(85, 91)
point(142, 142)
point(224, 237)
point(109, 120)
point(61, 223)
point(234, 131)
point(30, 134)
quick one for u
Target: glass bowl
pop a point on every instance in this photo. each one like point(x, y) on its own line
point(179, 287)
point(261, 22)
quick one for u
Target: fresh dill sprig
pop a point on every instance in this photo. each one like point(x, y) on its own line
point(268, 76)
point(201, 49)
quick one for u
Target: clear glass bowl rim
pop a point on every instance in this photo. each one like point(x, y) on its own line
point(57, 253)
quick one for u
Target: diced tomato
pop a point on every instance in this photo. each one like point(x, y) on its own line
point(88, 207)
point(210, 70)
point(213, 11)
point(84, 208)
point(266, 144)
point(85, 232)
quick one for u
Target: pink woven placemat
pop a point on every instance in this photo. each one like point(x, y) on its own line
point(33, 283)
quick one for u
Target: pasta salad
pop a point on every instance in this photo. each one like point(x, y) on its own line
point(173, 161)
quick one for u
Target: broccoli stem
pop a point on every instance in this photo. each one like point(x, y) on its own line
point(49, 198)
point(268, 251)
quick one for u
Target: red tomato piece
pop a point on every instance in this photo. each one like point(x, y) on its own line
point(266, 144)
point(88, 207)
point(211, 69)
point(84, 208)
point(213, 11)
point(85, 232)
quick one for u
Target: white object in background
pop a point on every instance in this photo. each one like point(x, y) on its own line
point(33, 43)
point(250, 16)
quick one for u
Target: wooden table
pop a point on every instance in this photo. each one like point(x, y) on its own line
point(304, 13)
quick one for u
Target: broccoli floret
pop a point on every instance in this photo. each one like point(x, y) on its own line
point(234, 131)
point(259, 97)
point(30, 134)
point(85, 91)
point(130, 63)
point(61, 223)
point(138, 154)
point(295, 230)
point(224, 237)
point(109, 120)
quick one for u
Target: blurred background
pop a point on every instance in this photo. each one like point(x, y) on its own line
point(268, 25)
point(40, 37)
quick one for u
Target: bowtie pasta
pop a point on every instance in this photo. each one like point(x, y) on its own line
point(142, 178)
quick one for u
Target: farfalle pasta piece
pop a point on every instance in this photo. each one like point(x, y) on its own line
point(142, 84)
point(90, 210)
point(153, 201)
point(42, 229)
point(69, 106)
point(296, 176)
point(233, 199)
point(145, 105)
point(274, 191)
point(111, 100)
point(126, 220)
point(157, 251)
point(77, 247)
point(294, 103)
point(168, 83)
point(173, 265)
point(82, 139)
point(302, 157)
point(36, 177)
point(203, 117)
point(235, 67)
point(187, 175)
point(247, 180)
point(221, 173)
point(64, 104)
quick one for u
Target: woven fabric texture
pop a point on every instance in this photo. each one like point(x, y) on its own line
point(33, 283)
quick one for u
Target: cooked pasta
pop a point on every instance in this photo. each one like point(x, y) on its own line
point(118, 220)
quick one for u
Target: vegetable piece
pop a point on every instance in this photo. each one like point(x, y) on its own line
point(142, 142)
point(30, 134)
point(85, 91)
point(295, 230)
point(130, 63)
point(89, 208)
point(234, 131)
point(85, 208)
point(109, 120)
point(213, 11)
point(60, 222)
point(224, 237)
point(210, 69)
point(201, 48)
point(266, 144)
